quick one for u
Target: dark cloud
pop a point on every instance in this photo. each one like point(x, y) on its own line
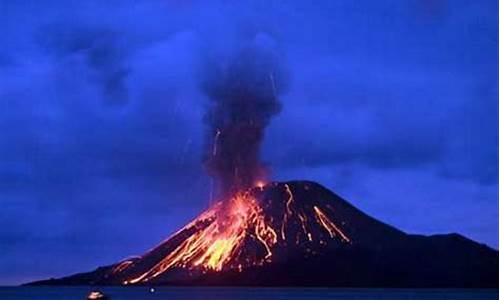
point(397, 110)
point(393, 105)
point(102, 50)
point(244, 92)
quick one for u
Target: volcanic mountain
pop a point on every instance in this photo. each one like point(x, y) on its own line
point(299, 233)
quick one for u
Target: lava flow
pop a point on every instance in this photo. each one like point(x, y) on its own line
point(249, 230)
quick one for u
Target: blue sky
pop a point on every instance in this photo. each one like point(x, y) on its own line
point(391, 104)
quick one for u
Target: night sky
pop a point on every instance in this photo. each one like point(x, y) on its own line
point(391, 104)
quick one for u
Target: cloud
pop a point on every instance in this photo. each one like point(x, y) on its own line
point(100, 50)
point(101, 117)
point(347, 108)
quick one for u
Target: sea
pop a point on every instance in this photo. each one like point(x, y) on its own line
point(190, 293)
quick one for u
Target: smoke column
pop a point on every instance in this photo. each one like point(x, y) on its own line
point(243, 91)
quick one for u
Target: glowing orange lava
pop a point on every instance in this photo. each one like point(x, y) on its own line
point(329, 225)
point(216, 246)
point(217, 239)
point(260, 184)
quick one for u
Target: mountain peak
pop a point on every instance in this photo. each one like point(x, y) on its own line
point(274, 233)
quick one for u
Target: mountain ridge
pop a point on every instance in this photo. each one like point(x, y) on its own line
point(288, 229)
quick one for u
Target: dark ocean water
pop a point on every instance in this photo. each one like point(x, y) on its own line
point(129, 293)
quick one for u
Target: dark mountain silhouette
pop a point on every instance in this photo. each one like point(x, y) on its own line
point(299, 234)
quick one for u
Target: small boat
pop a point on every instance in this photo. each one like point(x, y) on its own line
point(96, 295)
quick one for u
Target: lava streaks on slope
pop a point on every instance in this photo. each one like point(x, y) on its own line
point(259, 226)
point(272, 235)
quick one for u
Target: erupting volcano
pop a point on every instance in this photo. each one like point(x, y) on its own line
point(255, 230)
point(284, 233)
point(299, 233)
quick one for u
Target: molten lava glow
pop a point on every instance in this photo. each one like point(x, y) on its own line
point(215, 246)
point(260, 184)
point(238, 234)
point(288, 212)
point(121, 266)
point(329, 225)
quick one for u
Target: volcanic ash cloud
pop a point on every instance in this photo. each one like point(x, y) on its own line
point(243, 89)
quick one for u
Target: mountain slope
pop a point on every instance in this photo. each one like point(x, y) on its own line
point(299, 233)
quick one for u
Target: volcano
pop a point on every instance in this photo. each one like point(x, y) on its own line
point(299, 233)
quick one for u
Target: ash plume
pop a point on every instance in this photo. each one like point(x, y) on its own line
point(243, 90)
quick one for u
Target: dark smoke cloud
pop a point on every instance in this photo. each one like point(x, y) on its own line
point(243, 89)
